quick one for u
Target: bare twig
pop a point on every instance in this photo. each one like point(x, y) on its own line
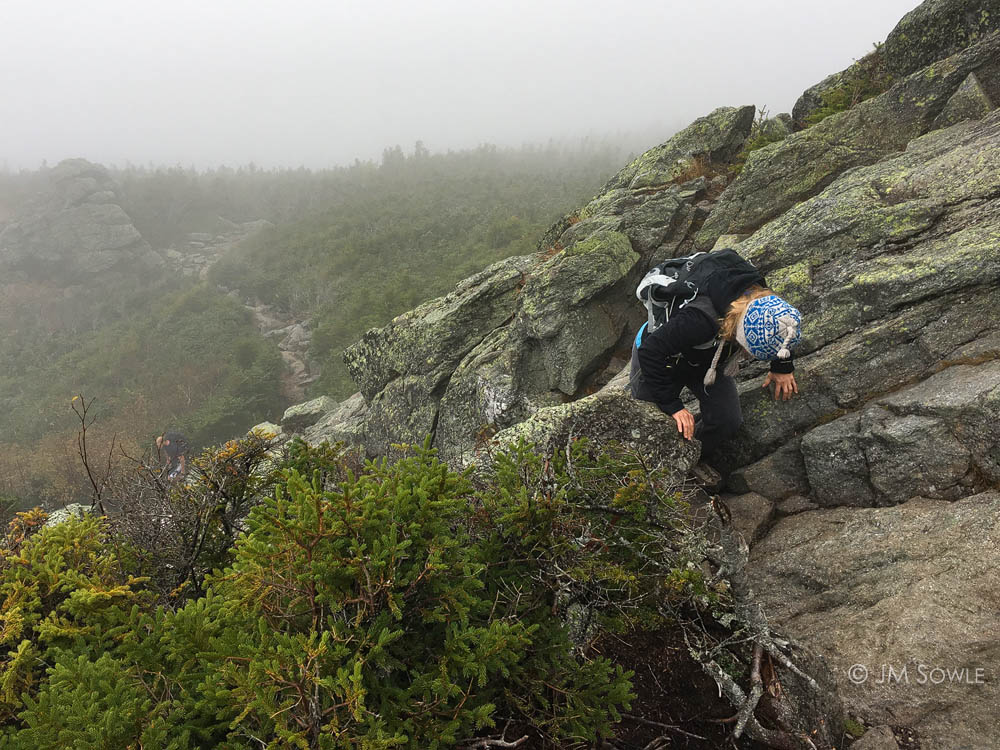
point(98, 484)
point(659, 725)
point(756, 691)
point(488, 742)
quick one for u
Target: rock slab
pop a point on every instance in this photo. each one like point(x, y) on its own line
point(912, 588)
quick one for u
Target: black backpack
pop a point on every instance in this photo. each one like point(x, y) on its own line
point(678, 282)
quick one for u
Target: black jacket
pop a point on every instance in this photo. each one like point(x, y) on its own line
point(681, 350)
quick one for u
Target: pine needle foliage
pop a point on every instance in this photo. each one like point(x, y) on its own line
point(365, 606)
point(361, 617)
point(65, 589)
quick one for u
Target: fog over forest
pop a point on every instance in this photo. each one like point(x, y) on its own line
point(319, 83)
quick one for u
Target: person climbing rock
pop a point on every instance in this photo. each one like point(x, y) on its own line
point(704, 310)
point(172, 449)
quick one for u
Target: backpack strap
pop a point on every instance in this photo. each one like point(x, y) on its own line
point(638, 336)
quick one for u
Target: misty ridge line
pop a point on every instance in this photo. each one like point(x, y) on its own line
point(623, 143)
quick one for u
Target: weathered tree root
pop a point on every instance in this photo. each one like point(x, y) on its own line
point(731, 555)
point(756, 691)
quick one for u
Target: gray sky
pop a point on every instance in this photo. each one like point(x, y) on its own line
point(319, 82)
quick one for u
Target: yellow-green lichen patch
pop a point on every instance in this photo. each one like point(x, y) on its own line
point(791, 282)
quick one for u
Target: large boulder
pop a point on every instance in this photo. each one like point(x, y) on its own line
point(74, 231)
point(429, 341)
point(936, 29)
point(777, 177)
point(300, 416)
point(969, 102)
point(502, 382)
point(750, 514)
point(344, 423)
point(777, 476)
point(562, 306)
point(717, 137)
point(403, 368)
point(938, 439)
point(911, 588)
point(608, 416)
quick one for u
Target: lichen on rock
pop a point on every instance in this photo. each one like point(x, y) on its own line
point(775, 179)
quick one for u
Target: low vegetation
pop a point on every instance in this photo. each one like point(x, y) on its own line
point(335, 604)
point(173, 355)
point(763, 133)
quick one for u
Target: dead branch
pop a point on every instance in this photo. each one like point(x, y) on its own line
point(731, 556)
point(660, 725)
point(487, 742)
point(98, 485)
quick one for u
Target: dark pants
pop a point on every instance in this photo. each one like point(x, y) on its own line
point(721, 415)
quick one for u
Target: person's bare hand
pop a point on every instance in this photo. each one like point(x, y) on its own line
point(685, 423)
point(784, 385)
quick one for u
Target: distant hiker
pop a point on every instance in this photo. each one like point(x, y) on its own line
point(705, 309)
point(172, 449)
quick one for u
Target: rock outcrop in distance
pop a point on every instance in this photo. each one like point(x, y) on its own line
point(75, 232)
point(871, 495)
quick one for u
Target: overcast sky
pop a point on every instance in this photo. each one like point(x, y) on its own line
point(322, 82)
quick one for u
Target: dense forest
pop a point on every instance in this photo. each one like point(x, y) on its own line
point(349, 248)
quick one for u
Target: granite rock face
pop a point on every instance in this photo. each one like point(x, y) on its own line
point(777, 177)
point(933, 31)
point(936, 29)
point(937, 439)
point(969, 102)
point(717, 137)
point(429, 341)
point(895, 268)
point(877, 738)
point(301, 416)
point(403, 368)
point(777, 476)
point(912, 587)
point(345, 423)
point(751, 515)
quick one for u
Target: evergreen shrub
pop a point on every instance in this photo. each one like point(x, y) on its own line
point(374, 605)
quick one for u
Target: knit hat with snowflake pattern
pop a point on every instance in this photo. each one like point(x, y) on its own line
point(768, 329)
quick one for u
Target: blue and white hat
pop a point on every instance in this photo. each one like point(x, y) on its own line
point(769, 328)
